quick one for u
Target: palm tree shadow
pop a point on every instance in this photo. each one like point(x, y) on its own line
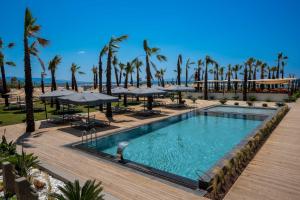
point(23, 140)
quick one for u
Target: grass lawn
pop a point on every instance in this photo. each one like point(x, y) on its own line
point(8, 117)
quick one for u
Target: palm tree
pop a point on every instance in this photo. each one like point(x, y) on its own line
point(72, 191)
point(127, 72)
point(280, 59)
point(149, 52)
point(122, 67)
point(162, 80)
point(43, 74)
point(52, 67)
point(115, 63)
point(95, 76)
point(112, 48)
point(208, 61)
point(179, 63)
point(200, 63)
point(31, 30)
point(236, 69)
point(256, 66)
point(248, 63)
point(187, 66)
point(75, 69)
point(216, 73)
point(137, 64)
point(262, 73)
point(2, 63)
point(228, 77)
point(157, 75)
point(100, 69)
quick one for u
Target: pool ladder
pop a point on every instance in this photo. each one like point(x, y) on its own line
point(89, 135)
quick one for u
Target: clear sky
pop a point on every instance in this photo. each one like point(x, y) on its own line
point(230, 31)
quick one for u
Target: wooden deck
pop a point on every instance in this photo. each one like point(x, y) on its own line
point(49, 143)
point(274, 173)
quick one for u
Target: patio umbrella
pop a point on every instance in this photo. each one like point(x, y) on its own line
point(87, 98)
point(54, 95)
point(179, 88)
point(146, 92)
point(119, 91)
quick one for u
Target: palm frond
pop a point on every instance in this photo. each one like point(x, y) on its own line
point(10, 63)
point(43, 42)
point(161, 58)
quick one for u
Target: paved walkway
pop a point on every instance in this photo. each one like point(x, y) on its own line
point(274, 173)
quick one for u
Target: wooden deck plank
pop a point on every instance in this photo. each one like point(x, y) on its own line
point(120, 182)
point(274, 173)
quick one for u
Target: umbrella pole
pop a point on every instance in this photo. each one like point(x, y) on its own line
point(88, 113)
point(63, 110)
point(45, 109)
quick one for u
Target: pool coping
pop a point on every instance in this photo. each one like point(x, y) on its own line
point(202, 182)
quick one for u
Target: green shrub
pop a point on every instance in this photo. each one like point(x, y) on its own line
point(252, 98)
point(280, 104)
point(23, 163)
point(250, 103)
point(268, 100)
point(265, 105)
point(235, 97)
point(211, 97)
point(172, 97)
point(223, 101)
point(73, 191)
point(194, 99)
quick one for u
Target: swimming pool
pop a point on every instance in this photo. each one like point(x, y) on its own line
point(182, 147)
point(242, 110)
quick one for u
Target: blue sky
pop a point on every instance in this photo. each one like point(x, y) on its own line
point(230, 31)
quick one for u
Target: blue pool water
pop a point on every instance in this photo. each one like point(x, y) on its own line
point(185, 145)
point(243, 110)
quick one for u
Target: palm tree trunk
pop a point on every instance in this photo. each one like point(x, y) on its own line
point(254, 78)
point(125, 86)
point(205, 83)
point(186, 76)
point(75, 84)
point(116, 76)
point(72, 81)
point(108, 83)
point(120, 76)
point(262, 76)
point(42, 84)
point(245, 83)
point(100, 79)
point(179, 79)
point(148, 72)
point(4, 89)
point(217, 77)
point(30, 126)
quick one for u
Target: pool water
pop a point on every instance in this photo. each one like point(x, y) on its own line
point(242, 110)
point(187, 145)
